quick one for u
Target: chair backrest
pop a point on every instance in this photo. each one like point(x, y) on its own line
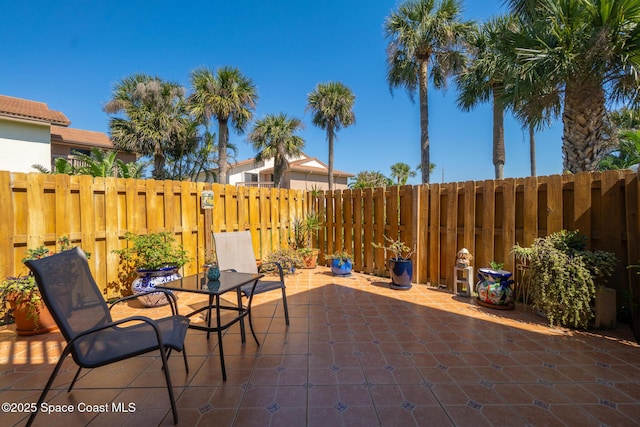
point(69, 292)
point(234, 250)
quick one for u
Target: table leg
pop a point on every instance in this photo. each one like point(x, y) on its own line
point(224, 370)
point(209, 316)
point(242, 333)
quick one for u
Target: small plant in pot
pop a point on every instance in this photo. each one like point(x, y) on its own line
point(400, 264)
point(155, 258)
point(303, 230)
point(23, 298)
point(341, 263)
point(288, 259)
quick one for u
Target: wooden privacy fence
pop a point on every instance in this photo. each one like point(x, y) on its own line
point(95, 213)
point(486, 217)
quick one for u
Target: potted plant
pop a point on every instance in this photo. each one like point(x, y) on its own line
point(341, 263)
point(23, 298)
point(288, 259)
point(494, 287)
point(400, 265)
point(156, 258)
point(563, 276)
point(303, 229)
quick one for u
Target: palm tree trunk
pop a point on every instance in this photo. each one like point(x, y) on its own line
point(158, 166)
point(330, 140)
point(498, 135)
point(424, 121)
point(223, 140)
point(532, 149)
point(584, 137)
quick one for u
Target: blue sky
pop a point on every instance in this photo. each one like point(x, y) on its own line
point(69, 54)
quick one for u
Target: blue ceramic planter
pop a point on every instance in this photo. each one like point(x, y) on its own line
point(401, 273)
point(341, 270)
point(147, 281)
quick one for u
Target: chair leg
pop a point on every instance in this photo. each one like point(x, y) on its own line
point(184, 356)
point(284, 305)
point(165, 368)
point(74, 379)
point(251, 327)
point(63, 356)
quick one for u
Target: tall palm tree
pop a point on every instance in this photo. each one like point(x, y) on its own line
point(425, 42)
point(226, 96)
point(587, 53)
point(332, 107)
point(401, 172)
point(485, 79)
point(154, 117)
point(274, 137)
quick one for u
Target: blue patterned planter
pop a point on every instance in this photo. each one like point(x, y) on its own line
point(341, 270)
point(147, 281)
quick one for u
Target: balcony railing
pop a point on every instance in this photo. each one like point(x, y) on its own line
point(261, 184)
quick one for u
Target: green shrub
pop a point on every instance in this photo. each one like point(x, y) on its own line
point(563, 276)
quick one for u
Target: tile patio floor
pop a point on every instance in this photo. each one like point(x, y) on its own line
point(356, 354)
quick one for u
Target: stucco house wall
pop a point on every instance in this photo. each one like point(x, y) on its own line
point(23, 144)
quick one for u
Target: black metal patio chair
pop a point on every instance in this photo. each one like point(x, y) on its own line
point(84, 318)
point(234, 251)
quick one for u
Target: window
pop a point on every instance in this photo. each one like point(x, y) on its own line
point(250, 177)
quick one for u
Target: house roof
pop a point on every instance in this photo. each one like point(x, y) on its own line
point(311, 165)
point(31, 110)
point(90, 138)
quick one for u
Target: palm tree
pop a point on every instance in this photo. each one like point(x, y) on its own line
point(274, 137)
point(485, 79)
point(155, 117)
point(425, 41)
point(584, 53)
point(332, 107)
point(60, 166)
point(101, 163)
point(402, 172)
point(369, 179)
point(227, 95)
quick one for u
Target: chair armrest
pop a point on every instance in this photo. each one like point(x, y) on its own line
point(278, 266)
point(120, 322)
point(173, 302)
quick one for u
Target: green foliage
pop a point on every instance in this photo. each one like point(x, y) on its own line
point(564, 276)
point(23, 290)
point(288, 259)
point(153, 251)
point(342, 257)
point(400, 251)
point(303, 229)
point(496, 265)
point(401, 172)
point(370, 179)
point(274, 137)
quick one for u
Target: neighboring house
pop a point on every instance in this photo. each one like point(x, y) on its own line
point(304, 173)
point(31, 133)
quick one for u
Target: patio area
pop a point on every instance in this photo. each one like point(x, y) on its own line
point(356, 354)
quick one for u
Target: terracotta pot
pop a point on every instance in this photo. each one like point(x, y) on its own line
point(25, 325)
point(311, 261)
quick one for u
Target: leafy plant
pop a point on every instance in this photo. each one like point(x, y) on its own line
point(400, 251)
point(303, 229)
point(563, 276)
point(23, 290)
point(153, 251)
point(342, 257)
point(288, 259)
point(496, 265)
